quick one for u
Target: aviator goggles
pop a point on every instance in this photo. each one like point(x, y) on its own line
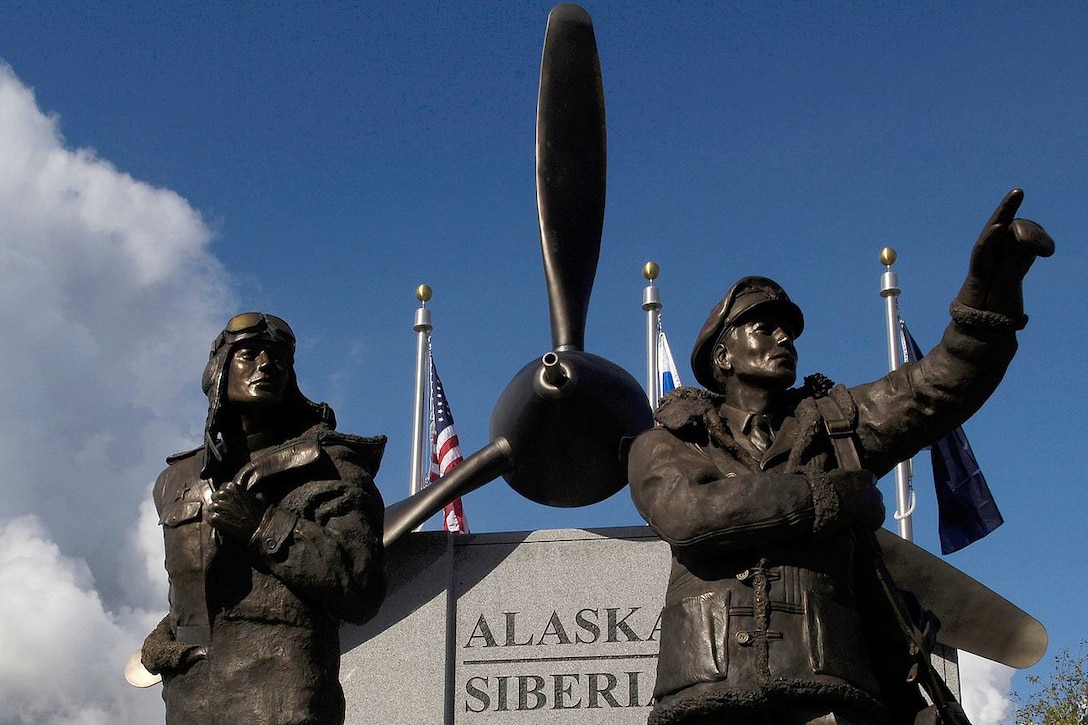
point(254, 324)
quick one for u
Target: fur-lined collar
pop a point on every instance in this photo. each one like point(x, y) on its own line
point(687, 406)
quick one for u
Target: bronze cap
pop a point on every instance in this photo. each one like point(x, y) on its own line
point(743, 298)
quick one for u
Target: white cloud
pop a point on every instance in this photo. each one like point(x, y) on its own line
point(62, 649)
point(109, 300)
point(984, 689)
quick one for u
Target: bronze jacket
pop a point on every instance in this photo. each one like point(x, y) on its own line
point(770, 601)
point(253, 629)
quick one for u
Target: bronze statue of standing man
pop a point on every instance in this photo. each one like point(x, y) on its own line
point(766, 494)
point(273, 533)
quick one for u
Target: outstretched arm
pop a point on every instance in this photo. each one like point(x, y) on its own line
point(922, 401)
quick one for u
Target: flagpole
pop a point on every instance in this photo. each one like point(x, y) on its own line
point(889, 290)
point(423, 329)
point(651, 302)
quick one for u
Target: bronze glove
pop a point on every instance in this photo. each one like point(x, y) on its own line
point(992, 294)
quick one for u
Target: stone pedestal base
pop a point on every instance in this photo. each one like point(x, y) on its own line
point(536, 627)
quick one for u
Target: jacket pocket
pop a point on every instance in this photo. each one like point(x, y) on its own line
point(836, 646)
point(180, 512)
point(693, 642)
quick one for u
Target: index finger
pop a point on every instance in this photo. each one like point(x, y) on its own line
point(1006, 210)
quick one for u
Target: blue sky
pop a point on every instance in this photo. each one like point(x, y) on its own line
point(323, 161)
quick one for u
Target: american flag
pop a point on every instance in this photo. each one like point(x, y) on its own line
point(445, 451)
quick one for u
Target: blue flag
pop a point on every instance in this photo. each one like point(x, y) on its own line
point(966, 510)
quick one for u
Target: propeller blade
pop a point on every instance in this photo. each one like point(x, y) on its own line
point(973, 617)
point(570, 169)
point(483, 466)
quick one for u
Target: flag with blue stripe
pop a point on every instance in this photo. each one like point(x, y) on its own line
point(666, 366)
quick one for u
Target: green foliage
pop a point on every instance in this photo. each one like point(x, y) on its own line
point(1061, 701)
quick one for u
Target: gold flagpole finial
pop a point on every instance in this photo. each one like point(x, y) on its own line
point(650, 270)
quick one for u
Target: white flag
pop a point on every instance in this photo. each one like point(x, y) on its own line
point(666, 366)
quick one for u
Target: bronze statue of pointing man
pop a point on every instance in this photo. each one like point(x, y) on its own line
point(273, 531)
point(766, 494)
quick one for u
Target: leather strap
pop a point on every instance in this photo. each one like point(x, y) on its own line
point(840, 428)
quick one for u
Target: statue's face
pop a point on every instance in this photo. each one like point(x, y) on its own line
point(257, 374)
point(760, 352)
